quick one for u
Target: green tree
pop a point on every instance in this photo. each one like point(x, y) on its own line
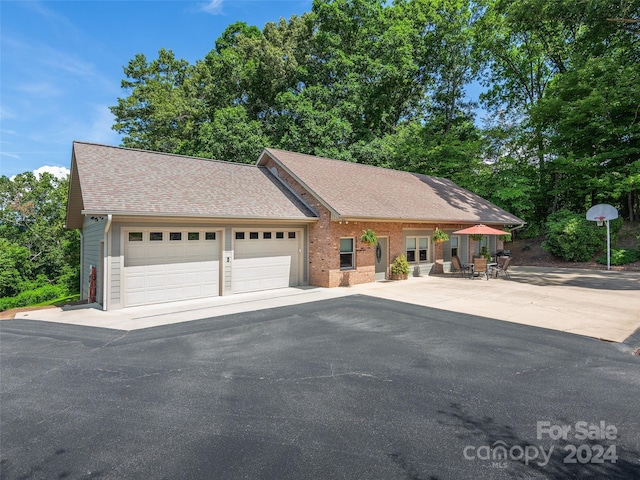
point(591, 118)
point(15, 268)
point(158, 113)
point(36, 247)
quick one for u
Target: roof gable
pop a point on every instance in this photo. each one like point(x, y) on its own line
point(136, 182)
point(352, 190)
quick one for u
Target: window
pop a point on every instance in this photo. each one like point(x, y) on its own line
point(346, 254)
point(193, 236)
point(292, 234)
point(411, 249)
point(155, 236)
point(455, 241)
point(210, 236)
point(486, 244)
point(422, 243)
point(253, 235)
point(175, 236)
point(135, 236)
point(239, 235)
point(279, 234)
point(266, 235)
point(417, 249)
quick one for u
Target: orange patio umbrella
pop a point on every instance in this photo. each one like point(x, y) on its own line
point(480, 230)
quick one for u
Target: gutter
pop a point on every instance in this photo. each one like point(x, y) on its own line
point(197, 217)
point(522, 225)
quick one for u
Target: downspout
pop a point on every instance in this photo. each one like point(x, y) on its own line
point(81, 264)
point(106, 260)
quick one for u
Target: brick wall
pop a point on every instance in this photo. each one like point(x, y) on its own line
point(324, 241)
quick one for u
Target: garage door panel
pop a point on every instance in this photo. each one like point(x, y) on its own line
point(261, 264)
point(154, 281)
point(157, 272)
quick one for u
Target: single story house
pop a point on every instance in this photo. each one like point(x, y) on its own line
point(159, 227)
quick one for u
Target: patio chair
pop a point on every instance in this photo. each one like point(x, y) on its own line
point(458, 267)
point(502, 267)
point(480, 267)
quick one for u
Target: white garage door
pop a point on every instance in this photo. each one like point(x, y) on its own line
point(165, 265)
point(265, 259)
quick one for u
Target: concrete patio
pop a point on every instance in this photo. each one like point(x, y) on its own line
point(593, 303)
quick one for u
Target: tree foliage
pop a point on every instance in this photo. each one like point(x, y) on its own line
point(35, 247)
point(572, 237)
point(387, 83)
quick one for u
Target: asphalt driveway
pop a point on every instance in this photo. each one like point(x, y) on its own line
point(353, 387)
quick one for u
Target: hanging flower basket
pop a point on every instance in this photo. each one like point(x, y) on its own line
point(440, 236)
point(476, 237)
point(369, 237)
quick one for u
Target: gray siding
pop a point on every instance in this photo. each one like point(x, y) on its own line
point(463, 247)
point(92, 235)
point(424, 268)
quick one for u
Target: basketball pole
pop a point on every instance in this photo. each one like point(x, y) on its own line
point(608, 247)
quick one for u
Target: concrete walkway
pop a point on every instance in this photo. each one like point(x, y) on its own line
point(594, 303)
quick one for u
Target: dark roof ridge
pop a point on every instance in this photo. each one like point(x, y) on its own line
point(336, 160)
point(154, 152)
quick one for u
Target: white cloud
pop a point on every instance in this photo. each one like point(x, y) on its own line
point(59, 172)
point(214, 7)
point(5, 113)
point(41, 89)
point(10, 155)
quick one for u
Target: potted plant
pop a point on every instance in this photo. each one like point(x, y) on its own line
point(400, 268)
point(440, 236)
point(369, 237)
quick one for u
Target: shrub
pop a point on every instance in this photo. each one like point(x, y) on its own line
point(620, 257)
point(33, 297)
point(70, 278)
point(400, 265)
point(572, 237)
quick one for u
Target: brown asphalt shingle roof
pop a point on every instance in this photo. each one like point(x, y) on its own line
point(355, 190)
point(127, 181)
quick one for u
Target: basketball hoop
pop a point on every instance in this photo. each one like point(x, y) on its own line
point(603, 213)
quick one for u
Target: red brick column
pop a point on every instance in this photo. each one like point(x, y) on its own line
point(438, 257)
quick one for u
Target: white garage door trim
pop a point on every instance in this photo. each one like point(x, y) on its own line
point(170, 264)
point(265, 259)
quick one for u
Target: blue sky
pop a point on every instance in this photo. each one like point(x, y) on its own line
point(61, 64)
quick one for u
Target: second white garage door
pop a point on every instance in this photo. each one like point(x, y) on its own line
point(265, 259)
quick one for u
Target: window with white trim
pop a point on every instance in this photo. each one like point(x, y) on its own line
point(417, 249)
point(455, 244)
point(484, 242)
point(347, 254)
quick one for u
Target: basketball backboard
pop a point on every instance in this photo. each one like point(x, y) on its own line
point(602, 212)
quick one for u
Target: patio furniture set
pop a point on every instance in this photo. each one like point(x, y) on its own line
point(481, 267)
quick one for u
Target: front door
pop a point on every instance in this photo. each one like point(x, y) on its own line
point(382, 259)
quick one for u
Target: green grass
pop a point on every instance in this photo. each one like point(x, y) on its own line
point(37, 297)
point(59, 301)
